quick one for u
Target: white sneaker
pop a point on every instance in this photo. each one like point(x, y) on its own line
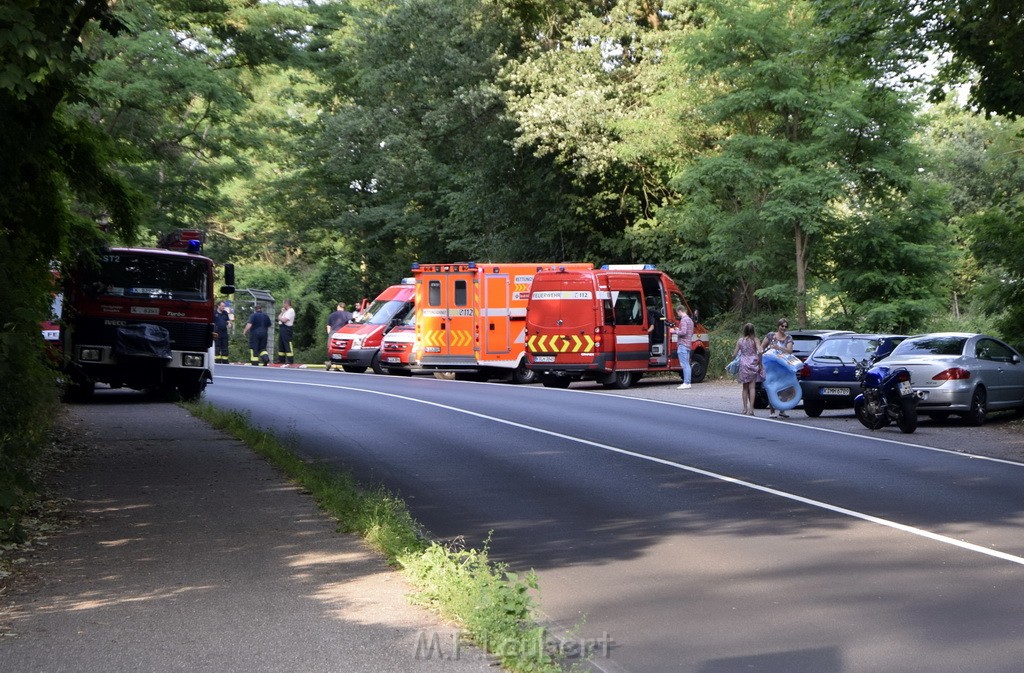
point(683, 387)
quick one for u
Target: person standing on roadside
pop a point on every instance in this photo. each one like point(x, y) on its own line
point(258, 328)
point(338, 319)
point(750, 371)
point(286, 322)
point(780, 342)
point(684, 333)
point(221, 325)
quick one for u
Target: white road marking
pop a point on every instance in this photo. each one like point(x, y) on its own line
point(679, 466)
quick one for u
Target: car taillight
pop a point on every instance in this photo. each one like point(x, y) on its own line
point(953, 374)
point(805, 372)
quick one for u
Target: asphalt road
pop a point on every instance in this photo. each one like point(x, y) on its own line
point(676, 538)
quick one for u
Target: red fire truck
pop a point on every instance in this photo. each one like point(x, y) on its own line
point(355, 347)
point(612, 325)
point(142, 318)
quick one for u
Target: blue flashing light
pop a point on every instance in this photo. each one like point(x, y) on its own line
point(194, 246)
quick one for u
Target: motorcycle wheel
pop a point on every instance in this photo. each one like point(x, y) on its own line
point(868, 420)
point(907, 421)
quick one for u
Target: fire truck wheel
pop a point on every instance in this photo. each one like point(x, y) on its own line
point(619, 381)
point(79, 391)
point(399, 372)
point(352, 369)
point(698, 367)
point(191, 392)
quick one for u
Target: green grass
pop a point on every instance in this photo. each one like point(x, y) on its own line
point(494, 607)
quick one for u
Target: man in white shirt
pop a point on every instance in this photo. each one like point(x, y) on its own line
point(286, 321)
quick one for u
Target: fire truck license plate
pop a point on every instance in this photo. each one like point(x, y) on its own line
point(835, 391)
point(543, 358)
point(393, 361)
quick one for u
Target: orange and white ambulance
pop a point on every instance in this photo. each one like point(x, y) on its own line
point(471, 317)
point(612, 324)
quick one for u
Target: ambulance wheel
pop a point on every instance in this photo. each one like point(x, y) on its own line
point(698, 367)
point(375, 364)
point(551, 381)
point(619, 381)
point(522, 375)
point(352, 369)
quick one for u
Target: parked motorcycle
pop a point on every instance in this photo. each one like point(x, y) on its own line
point(886, 398)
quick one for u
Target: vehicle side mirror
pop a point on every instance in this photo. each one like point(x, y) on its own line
point(229, 279)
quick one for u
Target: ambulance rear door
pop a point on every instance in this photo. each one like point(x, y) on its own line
point(563, 318)
point(446, 314)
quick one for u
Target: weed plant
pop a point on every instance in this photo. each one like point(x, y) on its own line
point(494, 607)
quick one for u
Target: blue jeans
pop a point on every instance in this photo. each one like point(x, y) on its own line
point(684, 360)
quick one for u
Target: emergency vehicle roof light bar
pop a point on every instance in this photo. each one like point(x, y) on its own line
point(188, 240)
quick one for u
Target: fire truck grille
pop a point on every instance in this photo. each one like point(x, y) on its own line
point(184, 336)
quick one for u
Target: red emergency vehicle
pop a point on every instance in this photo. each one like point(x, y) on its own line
point(399, 348)
point(471, 317)
point(355, 347)
point(142, 318)
point(613, 325)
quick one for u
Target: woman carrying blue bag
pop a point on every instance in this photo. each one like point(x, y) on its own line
point(780, 370)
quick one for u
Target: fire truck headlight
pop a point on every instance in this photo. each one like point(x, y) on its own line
point(357, 343)
point(90, 354)
point(193, 359)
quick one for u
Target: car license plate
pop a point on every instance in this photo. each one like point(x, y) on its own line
point(393, 361)
point(543, 358)
point(905, 388)
point(835, 391)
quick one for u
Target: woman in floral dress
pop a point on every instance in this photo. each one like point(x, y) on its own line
point(750, 372)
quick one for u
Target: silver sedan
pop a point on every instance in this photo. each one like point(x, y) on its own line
point(962, 373)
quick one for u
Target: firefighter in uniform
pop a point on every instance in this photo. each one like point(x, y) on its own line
point(286, 322)
point(257, 329)
point(221, 325)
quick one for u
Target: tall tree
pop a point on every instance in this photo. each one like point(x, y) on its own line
point(794, 138)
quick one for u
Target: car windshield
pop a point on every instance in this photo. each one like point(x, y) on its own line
point(847, 349)
point(153, 276)
point(383, 312)
point(936, 345)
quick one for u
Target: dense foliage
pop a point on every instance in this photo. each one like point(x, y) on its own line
point(781, 157)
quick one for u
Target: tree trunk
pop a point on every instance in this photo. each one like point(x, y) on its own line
point(802, 244)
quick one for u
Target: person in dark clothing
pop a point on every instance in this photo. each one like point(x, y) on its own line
point(258, 328)
point(221, 326)
point(338, 319)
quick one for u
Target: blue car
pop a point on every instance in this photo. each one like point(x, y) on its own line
point(828, 378)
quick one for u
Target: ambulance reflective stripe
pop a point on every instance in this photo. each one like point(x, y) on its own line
point(436, 338)
point(559, 343)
